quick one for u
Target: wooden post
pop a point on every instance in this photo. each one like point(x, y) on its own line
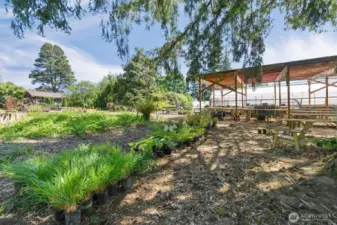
point(241, 94)
point(327, 92)
point(288, 92)
point(236, 95)
point(221, 96)
point(309, 93)
point(275, 95)
point(200, 95)
point(279, 94)
point(275, 99)
point(213, 93)
point(246, 94)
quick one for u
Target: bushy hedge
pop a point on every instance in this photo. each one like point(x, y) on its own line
point(10, 90)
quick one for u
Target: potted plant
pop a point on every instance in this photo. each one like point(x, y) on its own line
point(215, 122)
point(129, 161)
point(86, 205)
point(168, 146)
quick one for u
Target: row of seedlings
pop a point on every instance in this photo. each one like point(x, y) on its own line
point(69, 181)
point(167, 137)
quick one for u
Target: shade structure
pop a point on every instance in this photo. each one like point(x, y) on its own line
point(298, 70)
point(311, 70)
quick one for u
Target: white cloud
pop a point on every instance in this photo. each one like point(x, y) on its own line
point(297, 47)
point(22, 53)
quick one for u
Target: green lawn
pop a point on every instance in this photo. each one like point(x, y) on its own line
point(63, 123)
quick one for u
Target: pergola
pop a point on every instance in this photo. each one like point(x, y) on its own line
point(311, 70)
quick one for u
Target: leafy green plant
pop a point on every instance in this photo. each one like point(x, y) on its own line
point(330, 143)
point(146, 107)
point(69, 178)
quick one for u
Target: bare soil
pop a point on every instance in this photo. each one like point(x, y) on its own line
point(231, 177)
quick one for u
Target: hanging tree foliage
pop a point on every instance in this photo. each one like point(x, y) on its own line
point(242, 25)
point(253, 75)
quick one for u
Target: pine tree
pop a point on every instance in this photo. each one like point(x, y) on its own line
point(138, 80)
point(174, 81)
point(52, 70)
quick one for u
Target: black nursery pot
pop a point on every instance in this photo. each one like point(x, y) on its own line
point(59, 216)
point(188, 142)
point(113, 190)
point(157, 152)
point(126, 183)
point(333, 141)
point(86, 207)
point(195, 139)
point(73, 218)
point(103, 198)
point(167, 150)
point(180, 144)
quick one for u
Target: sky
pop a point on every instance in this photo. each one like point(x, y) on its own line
point(91, 57)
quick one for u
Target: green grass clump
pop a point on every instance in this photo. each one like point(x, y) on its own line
point(59, 124)
point(170, 135)
point(330, 143)
point(66, 179)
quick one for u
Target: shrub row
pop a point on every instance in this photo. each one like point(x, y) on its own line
point(69, 179)
point(166, 137)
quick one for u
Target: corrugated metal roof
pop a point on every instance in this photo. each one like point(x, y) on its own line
point(298, 70)
point(44, 94)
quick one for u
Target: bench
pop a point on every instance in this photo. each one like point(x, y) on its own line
point(292, 136)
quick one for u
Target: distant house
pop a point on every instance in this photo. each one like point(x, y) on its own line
point(41, 96)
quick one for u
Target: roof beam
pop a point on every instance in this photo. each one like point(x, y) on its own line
point(326, 73)
point(239, 79)
point(282, 74)
point(216, 82)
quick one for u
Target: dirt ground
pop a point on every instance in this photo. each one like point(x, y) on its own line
point(233, 176)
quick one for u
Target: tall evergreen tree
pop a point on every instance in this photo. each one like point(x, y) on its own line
point(173, 81)
point(52, 70)
point(138, 81)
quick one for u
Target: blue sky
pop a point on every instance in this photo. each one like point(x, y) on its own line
point(91, 57)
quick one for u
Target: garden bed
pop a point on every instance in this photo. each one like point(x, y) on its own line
point(65, 123)
point(91, 169)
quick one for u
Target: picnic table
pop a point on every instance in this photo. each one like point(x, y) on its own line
point(293, 134)
point(293, 123)
point(313, 114)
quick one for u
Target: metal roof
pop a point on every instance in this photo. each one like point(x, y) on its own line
point(44, 94)
point(298, 70)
